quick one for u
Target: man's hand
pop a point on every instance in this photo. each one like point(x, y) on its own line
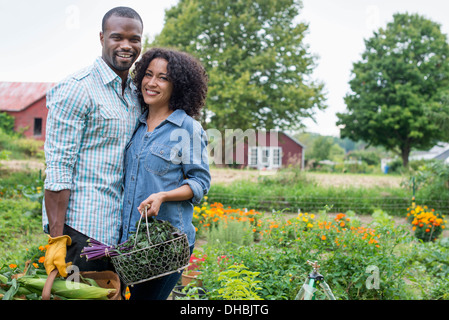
point(56, 254)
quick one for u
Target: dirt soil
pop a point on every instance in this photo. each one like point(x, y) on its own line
point(22, 165)
point(227, 176)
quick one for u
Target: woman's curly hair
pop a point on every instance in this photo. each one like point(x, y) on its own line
point(187, 75)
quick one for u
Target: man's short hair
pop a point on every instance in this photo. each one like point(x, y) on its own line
point(124, 12)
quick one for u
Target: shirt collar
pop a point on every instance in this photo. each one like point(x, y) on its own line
point(107, 74)
point(177, 117)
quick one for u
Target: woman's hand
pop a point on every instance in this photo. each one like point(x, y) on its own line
point(153, 204)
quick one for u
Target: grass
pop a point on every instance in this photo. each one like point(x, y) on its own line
point(20, 222)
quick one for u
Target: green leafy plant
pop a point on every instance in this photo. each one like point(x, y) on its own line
point(232, 232)
point(238, 283)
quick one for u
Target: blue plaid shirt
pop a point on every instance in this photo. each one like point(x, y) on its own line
point(88, 126)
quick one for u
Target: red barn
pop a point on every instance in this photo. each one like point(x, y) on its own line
point(266, 150)
point(26, 102)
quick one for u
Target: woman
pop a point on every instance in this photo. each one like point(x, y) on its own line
point(167, 169)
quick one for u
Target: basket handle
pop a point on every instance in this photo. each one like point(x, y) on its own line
point(46, 291)
point(138, 227)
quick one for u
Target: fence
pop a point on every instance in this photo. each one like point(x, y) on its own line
point(308, 203)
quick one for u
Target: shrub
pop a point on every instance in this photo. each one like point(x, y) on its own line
point(20, 147)
point(231, 231)
point(6, 122)
point(427, 223)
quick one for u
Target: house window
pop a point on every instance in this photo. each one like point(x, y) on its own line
point(37, 126)
point(253, 157)
point(277, 157)
point(265, 157)
point(265, 161)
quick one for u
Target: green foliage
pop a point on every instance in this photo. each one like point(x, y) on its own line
point(345, 249)
point(6, 122)
point(402, 78)
point(277, 268)
point(19, 147)
point(231, 232)
point(429, 270)
point(431, 180)
point(20, 222)
point(321, 148)
point(382, 219)
point(370, 157)
point(254, 52)
point(238, 283)
point(22, 184)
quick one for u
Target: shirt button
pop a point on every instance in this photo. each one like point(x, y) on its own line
point(162, 151)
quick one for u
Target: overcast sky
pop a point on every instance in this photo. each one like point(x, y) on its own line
point(46, 40)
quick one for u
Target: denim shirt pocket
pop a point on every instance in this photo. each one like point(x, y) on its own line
point(110, 123)
point(158, 159)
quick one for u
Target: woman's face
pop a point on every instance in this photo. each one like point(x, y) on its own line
point(156, 87)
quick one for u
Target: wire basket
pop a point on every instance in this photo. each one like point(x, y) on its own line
point(153, 261)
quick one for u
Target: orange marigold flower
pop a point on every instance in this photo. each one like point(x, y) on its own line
point(13, 266)
point(35, 265)
point(323, 237)
point(41, 260)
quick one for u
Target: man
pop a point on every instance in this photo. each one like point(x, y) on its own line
point(91, 117)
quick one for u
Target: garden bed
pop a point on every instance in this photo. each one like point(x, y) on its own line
point(269, 246)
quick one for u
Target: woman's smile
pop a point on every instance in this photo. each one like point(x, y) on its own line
point(157, 88)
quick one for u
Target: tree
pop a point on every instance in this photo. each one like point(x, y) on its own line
point(6, 122)
point(259, 68)
point(321, 148)
point(402, 79)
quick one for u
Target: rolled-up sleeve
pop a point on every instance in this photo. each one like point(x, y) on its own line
point(196, 168)
point(67, 103)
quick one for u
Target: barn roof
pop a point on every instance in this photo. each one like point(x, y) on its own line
point(294, 140)
point(17, 96)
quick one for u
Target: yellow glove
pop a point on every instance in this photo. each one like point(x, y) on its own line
point(56, 254)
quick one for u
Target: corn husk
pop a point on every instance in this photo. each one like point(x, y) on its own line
point(67, 289)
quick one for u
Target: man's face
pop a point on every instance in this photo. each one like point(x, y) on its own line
point(122, 43)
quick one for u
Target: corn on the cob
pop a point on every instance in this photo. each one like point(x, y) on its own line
point(3, 279)
point(67, 289)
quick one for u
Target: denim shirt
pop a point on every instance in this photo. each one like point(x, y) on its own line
point(172, 155)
